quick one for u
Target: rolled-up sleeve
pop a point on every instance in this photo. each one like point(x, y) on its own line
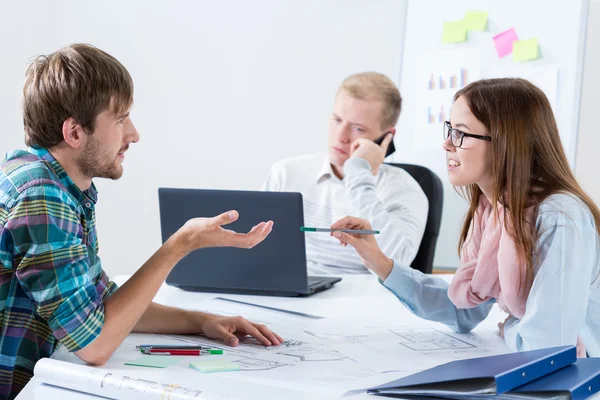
point(53, 267)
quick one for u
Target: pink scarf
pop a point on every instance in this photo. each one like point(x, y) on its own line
point(479, 277)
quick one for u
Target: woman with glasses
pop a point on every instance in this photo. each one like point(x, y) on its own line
point(530, 240)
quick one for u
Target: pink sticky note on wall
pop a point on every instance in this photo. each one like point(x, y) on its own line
point(504, 42)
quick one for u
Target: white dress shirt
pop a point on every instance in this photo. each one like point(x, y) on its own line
point(392, 201)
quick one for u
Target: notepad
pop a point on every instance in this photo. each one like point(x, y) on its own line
point(208, 366)
point(154, 361)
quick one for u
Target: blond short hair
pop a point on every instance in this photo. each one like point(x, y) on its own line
point(378, 87)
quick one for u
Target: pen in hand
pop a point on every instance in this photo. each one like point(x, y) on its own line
point(329, 230)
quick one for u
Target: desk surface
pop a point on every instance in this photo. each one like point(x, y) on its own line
point(357, 299)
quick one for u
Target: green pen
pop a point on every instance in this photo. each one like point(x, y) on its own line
point(329, 230)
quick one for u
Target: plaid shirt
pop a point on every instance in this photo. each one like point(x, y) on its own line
point(52, 285)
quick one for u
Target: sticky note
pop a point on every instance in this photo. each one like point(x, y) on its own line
point(475, 20)
point(504, 42)
point(154, 361)
point(213, 365)
point(454, 32)
point(526, 50)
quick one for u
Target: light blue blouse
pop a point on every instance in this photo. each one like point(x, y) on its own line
point(564, 301)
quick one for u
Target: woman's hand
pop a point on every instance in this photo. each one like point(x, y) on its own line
point(501, 325)
point(366, 245)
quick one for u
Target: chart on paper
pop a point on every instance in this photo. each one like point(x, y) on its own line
point(440, 76)
point(440, 87)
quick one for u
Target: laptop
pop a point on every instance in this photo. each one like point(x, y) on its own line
point(275, 267)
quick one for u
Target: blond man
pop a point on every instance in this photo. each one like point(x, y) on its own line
point(351, 179)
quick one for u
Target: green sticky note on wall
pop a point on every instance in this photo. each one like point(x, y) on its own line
point(475, 20)
point(454, 32)
point(154, 361)
point(526, 50)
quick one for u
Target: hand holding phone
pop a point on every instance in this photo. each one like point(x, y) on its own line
point(372, 150)
point(391, 148)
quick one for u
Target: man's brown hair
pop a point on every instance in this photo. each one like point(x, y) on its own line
point(78, 81)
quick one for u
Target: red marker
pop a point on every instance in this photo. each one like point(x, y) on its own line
point(181, 352)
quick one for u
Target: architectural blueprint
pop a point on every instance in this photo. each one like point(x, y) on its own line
point(326, 357)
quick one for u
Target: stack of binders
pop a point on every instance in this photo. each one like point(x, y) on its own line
point(552, 373)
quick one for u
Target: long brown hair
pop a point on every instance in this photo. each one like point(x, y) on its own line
point(528, 160)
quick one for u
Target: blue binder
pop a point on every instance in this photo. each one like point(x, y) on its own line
point(483, 376)
point(575, 382)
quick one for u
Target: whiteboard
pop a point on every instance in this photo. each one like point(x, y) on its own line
point(560, 29)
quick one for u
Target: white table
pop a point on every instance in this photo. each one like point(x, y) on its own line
point(357, 298)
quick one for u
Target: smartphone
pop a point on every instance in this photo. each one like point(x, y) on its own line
point(391, 148)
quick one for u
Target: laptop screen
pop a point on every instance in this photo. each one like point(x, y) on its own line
point(276, 264)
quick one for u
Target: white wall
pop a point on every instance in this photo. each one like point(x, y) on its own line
point(223, 89)
point(588, 142)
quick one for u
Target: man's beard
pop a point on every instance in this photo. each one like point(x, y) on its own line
point(95, 163)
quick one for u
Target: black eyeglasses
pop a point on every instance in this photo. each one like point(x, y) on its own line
point(458, 135)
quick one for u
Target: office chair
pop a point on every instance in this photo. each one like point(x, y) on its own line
point(432, 186)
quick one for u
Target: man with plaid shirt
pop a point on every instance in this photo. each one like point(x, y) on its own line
point(53, 290)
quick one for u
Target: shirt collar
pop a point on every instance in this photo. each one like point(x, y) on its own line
point(325, 172)
point(83, 196)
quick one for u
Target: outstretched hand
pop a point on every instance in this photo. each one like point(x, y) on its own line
point(209, 232)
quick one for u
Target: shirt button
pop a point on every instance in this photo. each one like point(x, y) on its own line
point(88, 205)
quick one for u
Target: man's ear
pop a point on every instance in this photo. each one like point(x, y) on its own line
point(392, 130)
point(72, 132)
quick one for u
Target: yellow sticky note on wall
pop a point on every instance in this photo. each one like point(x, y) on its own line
point(454, 32)
point(526, 50)
point(475, 20)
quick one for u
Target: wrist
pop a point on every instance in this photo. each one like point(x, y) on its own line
point(179, 243)
point(382, 266)
point(200, 319)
